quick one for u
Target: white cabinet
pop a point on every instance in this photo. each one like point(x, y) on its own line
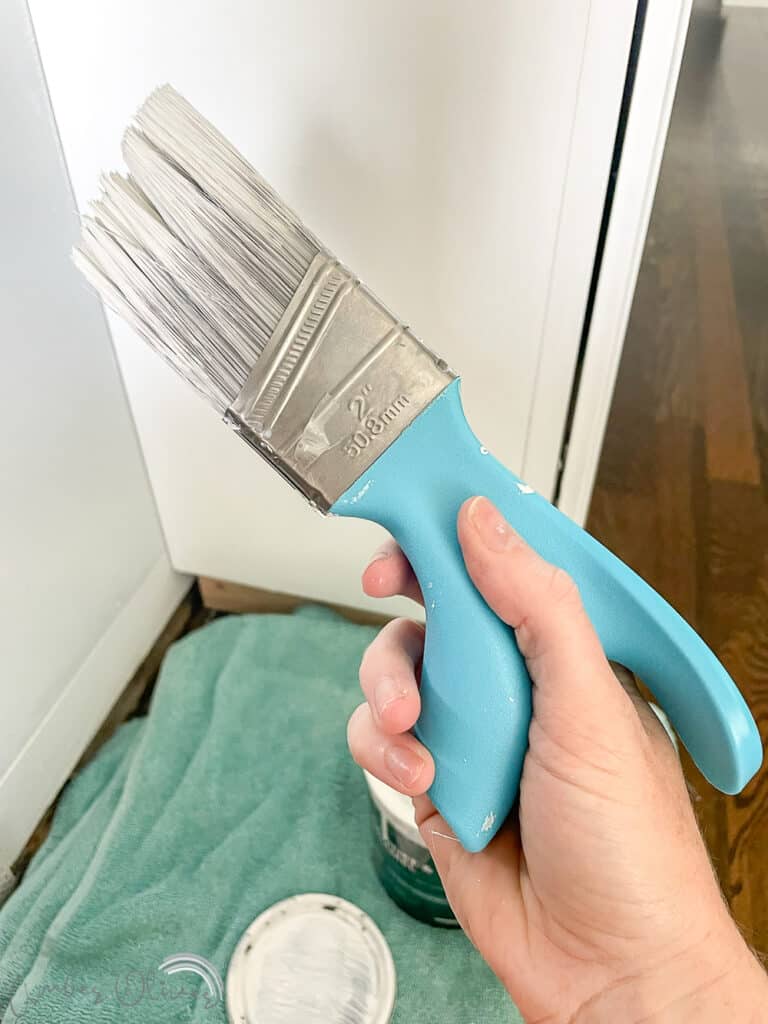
point(85, 580)
point(454, 154)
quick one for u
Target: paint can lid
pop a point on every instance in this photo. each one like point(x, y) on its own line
point(311, 958)
point(397, 806)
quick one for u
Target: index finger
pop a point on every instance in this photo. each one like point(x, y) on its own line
point(389, 574)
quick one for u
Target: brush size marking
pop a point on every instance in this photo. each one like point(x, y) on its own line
point(359, 404)
point(371, 423)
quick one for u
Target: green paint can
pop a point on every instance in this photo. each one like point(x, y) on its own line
point(401, 859)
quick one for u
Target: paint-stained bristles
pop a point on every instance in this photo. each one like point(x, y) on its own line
point(194, 249)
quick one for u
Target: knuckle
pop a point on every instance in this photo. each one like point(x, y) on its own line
point(484, 573)
point(417, 632)
point(371, 655)
point(404, 629)
point(365, 664)
point(354, 740)
point(388, 651)
point(562, 589)
point(396, 626)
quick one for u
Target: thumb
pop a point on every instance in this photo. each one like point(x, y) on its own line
point(574, 685)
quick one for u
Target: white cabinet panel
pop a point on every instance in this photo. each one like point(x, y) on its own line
point(85, 582)
point(429, 144)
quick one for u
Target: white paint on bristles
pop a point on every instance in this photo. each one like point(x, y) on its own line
point(193, 248)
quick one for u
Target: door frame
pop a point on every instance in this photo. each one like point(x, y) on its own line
point(658, 66)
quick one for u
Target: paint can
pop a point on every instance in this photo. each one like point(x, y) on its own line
point(311, 959)
point(667, 725)
point(401, 859)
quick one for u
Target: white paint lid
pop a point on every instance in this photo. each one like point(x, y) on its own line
point(311, 958)
point(397, 806)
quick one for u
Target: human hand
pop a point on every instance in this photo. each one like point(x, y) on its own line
point(598, 901)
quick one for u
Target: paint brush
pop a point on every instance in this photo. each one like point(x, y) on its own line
point(202, 257)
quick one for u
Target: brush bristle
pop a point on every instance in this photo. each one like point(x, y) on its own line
point(193, 248)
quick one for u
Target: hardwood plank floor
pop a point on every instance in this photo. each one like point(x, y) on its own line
point(682, 488)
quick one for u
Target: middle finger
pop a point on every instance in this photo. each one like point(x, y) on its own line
point(388, 675)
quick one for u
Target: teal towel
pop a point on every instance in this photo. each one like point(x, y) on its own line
point(234, 792)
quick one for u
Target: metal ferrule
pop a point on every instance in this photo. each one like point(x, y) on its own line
point(336, 384)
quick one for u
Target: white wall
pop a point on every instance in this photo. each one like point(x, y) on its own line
point(85, 583)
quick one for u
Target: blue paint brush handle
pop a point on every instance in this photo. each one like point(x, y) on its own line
point(476, 694)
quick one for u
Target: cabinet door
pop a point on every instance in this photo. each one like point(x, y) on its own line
point(454, 154)
point(85, 582)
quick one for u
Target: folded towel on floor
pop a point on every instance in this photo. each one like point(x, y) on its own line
point(234, 792)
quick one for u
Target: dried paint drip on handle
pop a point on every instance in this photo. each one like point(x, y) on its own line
point(401, 859)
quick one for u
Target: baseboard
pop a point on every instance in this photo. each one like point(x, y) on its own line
point(45, 762)
point(224, 596)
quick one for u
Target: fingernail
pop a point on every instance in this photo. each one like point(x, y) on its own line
point(386, 692)
point(405, 765)
point(492, 528)
point(379, 556)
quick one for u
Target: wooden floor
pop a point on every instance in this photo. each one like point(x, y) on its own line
point(682, 489)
